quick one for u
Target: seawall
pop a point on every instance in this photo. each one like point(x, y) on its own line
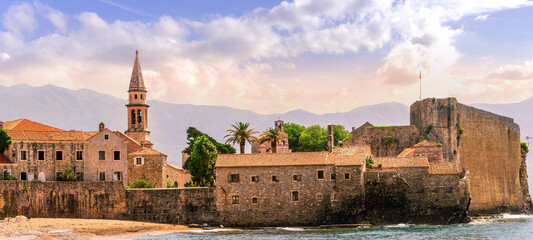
point(106, 200)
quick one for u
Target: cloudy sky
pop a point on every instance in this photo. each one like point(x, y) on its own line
point(274, 56)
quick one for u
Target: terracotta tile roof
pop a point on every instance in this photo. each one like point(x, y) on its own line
point(27, 135)
point(89, 135)
point(444, 168)
point(25, 124)
point(395, 162)
point(271, 159)
point(426, 143)
point(147, 152)
point(4, 160)
point(406, 152)
point(175, 167)
point(125, 137)
point(341, 156)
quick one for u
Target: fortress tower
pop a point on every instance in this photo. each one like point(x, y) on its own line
point(137, 107)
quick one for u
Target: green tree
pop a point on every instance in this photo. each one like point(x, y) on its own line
point(193, 134)
point(240, 134)
point(294, 131)
point(201, 164)
point(273, 135)
point(313, 139)
point(141, 183)
point(340, 134)
point(68, 175)
point(5, 140)
point(524, 149)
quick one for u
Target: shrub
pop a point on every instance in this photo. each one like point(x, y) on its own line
point(170, 185)
point(380, 165)
point(524, 149)
point(428, 130)
point(190, 184)
point(141, 183)
point(369, 162)
point(9, 177)
point(390, 140)
point(433, 100)
point(461, 131)
point(439, 144)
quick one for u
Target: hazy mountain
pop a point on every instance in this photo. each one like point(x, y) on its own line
point(85, 109)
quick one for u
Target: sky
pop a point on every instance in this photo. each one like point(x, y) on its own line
point(274, 56)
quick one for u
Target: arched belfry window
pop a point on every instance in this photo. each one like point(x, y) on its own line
point(132, 116)
point(139, 118)
point(135, 96)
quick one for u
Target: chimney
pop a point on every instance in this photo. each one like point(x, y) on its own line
point(330, 137)
point(101, 126)
point(1, 125)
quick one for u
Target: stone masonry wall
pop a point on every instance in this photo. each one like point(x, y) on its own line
point(106, 200)
point(385, 141)
point(488, 145)
point(62, 199)
point(172, 205)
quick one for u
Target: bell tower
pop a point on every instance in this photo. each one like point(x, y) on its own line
point(137, 107)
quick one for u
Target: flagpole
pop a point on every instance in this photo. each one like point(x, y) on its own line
point(420, 79)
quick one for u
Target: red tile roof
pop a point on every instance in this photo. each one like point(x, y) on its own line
point(4, 160)
point(46, 135)
point(25, 124)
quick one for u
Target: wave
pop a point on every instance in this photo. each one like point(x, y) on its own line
point(291, 229)
point(400, 225)
point(216, 230)
point(515, 216)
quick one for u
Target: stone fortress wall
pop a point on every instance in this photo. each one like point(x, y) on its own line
point(486, 144)
point(106, 200)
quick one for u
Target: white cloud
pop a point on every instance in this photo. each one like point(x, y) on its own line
point(224, 60)
point(481, 17)
point(20, 18)
point(512, 72)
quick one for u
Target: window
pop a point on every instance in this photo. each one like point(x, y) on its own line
point(319, 197)
point(79, 155)
point(135, 96)
point(234, 178)
point(58, 176)
point(139, 161)
point(106, 136)
point(117, 176)
point(139, 118)
point(79, 176)
point(116, 155)
point(320, 174)
point(141, 96)
point(255, 178)
point(234, 199)
point(59, 155)
point(102, 176)
point(175, 184)
point(23, 176)
point(295, 196)
point(275, 179)
point(101, 155)
point(346, 176)
point(333, 177)
point(297, 178)
point(132, 116)
point(23, 155)
point(41, 155)
point(254, 200)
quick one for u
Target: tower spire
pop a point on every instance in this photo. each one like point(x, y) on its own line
point(137, 82)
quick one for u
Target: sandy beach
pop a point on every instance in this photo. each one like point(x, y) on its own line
point(64, 228)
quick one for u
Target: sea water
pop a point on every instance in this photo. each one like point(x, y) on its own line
point(506, 227)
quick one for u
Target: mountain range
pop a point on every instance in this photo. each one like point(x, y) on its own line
point(85, 109)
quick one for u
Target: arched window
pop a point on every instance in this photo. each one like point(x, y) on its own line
point(141, 96)
point(135, 96)
point(139, 118)
point(132, 116)
point(175, 184)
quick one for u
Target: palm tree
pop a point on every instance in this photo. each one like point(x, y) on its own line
point(273, 135)
point(241, 134)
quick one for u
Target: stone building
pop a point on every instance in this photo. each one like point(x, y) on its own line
point(266, 147)
point(41, 152)
point(486, 144)
point(313, 188)
point(431, 150)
